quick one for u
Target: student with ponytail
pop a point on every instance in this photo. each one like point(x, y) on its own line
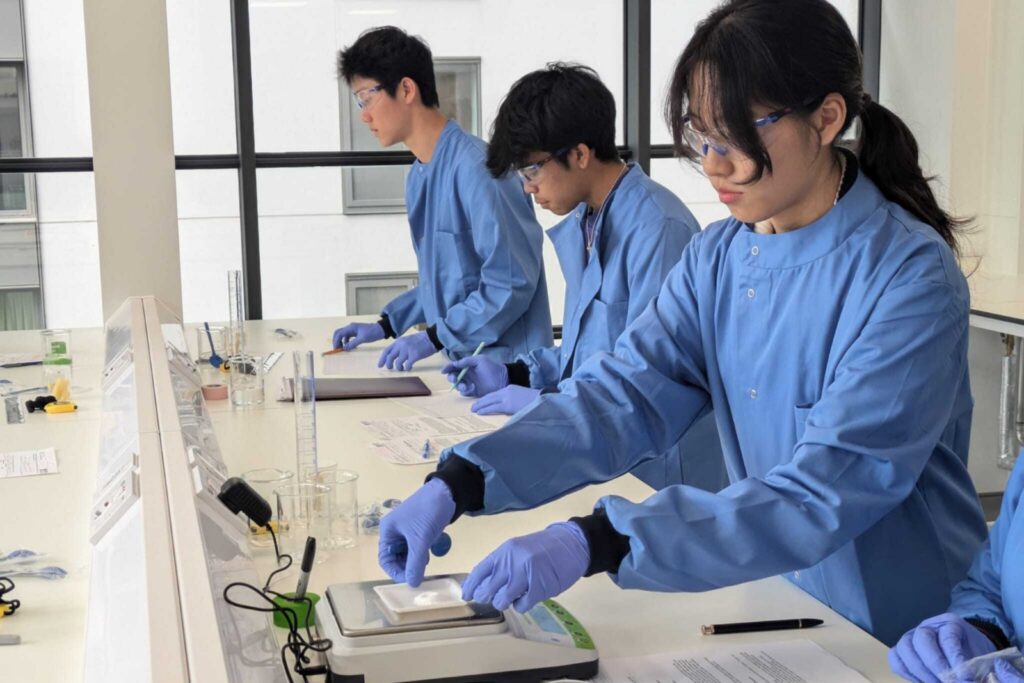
point(826, 324)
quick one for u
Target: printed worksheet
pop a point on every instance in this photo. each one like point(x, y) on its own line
point(28, 463)
point(792, 661)
point(415, 451)
point(426, 426)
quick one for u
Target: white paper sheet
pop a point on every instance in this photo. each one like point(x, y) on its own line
point(28, 463)
point(792, 661)
point(426, 426)
point(410, 451)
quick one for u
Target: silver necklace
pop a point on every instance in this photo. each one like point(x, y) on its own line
point(590, 225)
point(842, 175)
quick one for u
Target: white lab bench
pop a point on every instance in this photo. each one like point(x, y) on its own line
point(49, 513)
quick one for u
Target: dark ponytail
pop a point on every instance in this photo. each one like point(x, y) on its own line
point(792, 53)
point(888, 155)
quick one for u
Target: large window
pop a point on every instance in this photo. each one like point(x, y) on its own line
point(323, 214)
point(21, 301)
point(209, 241)
point(202, 81)
point(49, 255)
point(14, 197)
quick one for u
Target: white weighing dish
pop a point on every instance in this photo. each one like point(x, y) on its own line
point(367, 646)
point(433, 600)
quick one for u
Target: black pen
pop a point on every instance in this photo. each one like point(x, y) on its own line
point(307, 565)
point(752, 626)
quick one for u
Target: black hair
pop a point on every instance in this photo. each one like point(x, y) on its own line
point(388, 54)
point(550, 110)
point(792, 53)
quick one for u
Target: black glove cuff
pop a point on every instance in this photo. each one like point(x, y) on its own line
point(466, 482)
point(607, 546)
point(432, 334)
point(991, 631)
point(385, 324)
point(518, 373)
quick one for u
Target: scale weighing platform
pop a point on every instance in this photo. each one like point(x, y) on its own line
point(373, 644)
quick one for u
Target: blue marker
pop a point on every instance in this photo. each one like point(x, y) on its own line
point(425, 453)
point(440, 547)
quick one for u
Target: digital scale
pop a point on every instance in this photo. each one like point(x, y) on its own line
point(482, 644)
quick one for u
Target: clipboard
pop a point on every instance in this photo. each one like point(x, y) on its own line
point(344, 388)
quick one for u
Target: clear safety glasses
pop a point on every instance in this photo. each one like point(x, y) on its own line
point(529, 173)
point(367, 96)
point(702, 142)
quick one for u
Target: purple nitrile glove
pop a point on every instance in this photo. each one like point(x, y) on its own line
point(354, 334)
point(526, 570)
point(507, 401)
point(417, 523)
point(1007, 673)
point(407, 350)
point(937, 645)
point(483, 375)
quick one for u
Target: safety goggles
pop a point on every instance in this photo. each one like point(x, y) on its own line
point(529, 173)
point(702, 142)
point(366, 97)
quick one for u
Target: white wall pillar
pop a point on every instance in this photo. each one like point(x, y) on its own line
point(133, 150)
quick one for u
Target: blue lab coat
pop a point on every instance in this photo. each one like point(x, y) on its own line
point(479, 250)
point(835, 357)
point(639, 235)
point(994, 588)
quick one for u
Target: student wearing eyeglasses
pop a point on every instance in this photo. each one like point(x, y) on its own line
point(477, 241)
point(621, 235)
point(825, 322)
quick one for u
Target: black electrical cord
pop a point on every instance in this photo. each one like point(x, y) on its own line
point(296, 643)
point(277, 553)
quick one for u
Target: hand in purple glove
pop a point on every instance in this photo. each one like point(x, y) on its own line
point(483, 375)
point(937, 645)
point(507, 401)
point(1007, 673)
point(407, 350)
point(526, 570)
point(417, 523)
point(354, 334)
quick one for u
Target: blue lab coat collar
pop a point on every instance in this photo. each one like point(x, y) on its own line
point(811, 242)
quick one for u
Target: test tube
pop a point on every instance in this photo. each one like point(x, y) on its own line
point(304, 398)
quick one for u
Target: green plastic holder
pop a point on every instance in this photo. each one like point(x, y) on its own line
point(303, 612)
